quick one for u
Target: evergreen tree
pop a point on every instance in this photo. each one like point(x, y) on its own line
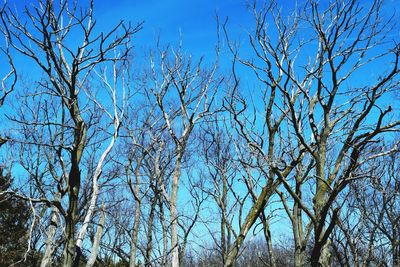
point(14, 217)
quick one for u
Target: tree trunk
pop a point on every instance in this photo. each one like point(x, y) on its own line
point(182, 251)
point(267, 235)
point(299, 256)
point(251, 217)
point(95, 188)
point(71, 252)
point(173, 210)
point(223, 238)
point(50, 246)
point(164, 234)
point(135, 232)
point(395, 251)
point(149, 247)
point(325, 259)
point(223, 207)
point(97, 238)
point(300, 239)
point(321, 255)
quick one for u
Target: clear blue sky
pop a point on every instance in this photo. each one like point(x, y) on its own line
point(167, 19)
point(195, 19)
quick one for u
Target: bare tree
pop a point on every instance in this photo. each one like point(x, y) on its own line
point(342, 122)
point(259, 120)
point(218, 153)
point(160, 166)
point(340, 42)
point(42, 36)
point(176, 78)
point(143, 161)
point(368, 230)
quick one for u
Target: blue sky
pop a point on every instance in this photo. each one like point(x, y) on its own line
point(195, 19)
point(164, 19)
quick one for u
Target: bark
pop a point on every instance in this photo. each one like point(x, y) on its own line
point(223, 206)
point(267, 235)
point(325, 259)
point(321, 255)
point(223, 238)
point(149, 247)
point(182, 250)
point(50, 246)
point(72, 253)
point(300, 237)
point(136, 223)
point(173, 210)
point(251, 217)
point(164, 234)
point(299, 257)
point(97, 238)
point(135, 233)
point(95, 186)
point(395, 251)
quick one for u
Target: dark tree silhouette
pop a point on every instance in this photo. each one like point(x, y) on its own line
point(14, 227)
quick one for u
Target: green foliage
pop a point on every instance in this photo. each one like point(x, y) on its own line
point(14, 229)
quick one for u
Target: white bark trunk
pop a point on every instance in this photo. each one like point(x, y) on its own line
point(95, 186)
point(97, 238)
point(173, 210)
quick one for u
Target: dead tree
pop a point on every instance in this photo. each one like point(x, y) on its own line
point(221, 170)
point(258, 119)
point(332, 116)
point(185, 92)
point(44, 36)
